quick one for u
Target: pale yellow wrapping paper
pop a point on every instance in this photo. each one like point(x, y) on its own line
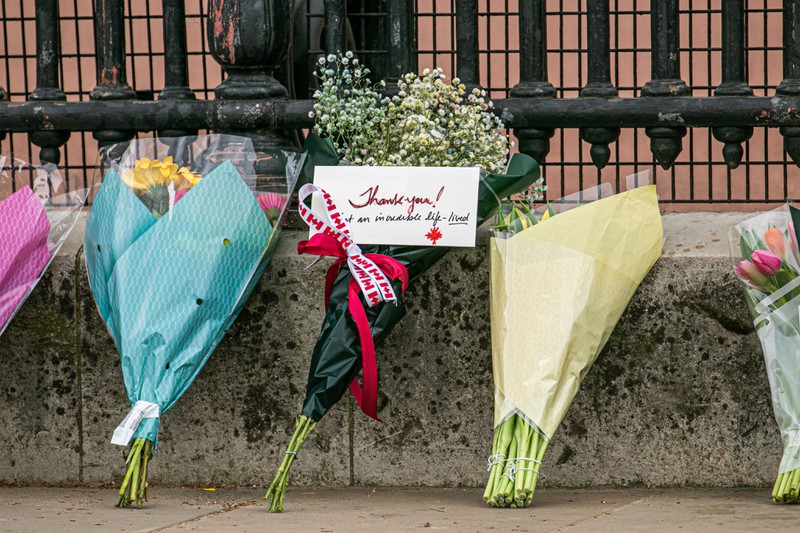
point(557, 291)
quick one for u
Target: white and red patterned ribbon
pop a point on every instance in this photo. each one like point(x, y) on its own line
point(374, 284)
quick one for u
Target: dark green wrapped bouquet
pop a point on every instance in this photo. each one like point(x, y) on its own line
point(430, 123)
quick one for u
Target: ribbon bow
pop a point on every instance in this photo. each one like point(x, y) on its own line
point(372, 275)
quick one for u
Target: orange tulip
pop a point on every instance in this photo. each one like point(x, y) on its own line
point(775, 242)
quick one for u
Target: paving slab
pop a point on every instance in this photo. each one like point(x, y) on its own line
point(355, 509)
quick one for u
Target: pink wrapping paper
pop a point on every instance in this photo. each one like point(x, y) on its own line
point(23, 248)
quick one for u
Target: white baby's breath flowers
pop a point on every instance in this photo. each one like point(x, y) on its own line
point(428, 123)
point(347, 107)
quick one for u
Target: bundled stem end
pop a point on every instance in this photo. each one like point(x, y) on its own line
point(134, 486)
point(277, 490)
point(787, 487)
point(517, 451)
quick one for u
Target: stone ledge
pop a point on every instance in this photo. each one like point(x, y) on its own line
point(679, 396)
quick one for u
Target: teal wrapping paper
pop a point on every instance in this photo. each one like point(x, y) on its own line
point(168, 289)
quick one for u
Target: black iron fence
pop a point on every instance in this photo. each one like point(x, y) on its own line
point(585, 86)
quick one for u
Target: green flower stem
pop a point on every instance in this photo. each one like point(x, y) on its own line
point(506, 481)
point(505, 431)
point(521, 434)
point(517, 447)
point(524, 466)
point(493, 468)
point(136, 466)
point(277, 489)
point(777, 487)
point(141, 496)
point(134, 484)
point(542, 447)
point(787, 487)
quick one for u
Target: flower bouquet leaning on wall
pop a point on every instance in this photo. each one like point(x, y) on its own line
point(429, 123)
point(38, 209)
point(770, 271)
point(179, 234)
point(582, 266)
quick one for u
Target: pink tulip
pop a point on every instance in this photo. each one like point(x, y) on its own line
point(793, 242)
point(750, 274)
point(775, 242)
point(180, 193)
point(767, 262)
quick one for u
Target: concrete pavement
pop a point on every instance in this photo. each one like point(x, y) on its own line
point(353, 509)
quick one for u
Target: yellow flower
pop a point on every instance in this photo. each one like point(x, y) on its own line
point(186, 179)
point(148, 173)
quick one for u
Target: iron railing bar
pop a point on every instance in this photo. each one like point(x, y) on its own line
point(453, 35)
point(176, 69)
point(734, 78)
point(80, 94)
point(129, 42)
point(335, 19)
point(517, 112)
point(363, 35)
point(467, 58)
point(112, 84)
point(665, 80)
point(581, 185)
point(508, 52)
point(47, 50)
point(561, 90)
point(207, 90)
point(710, 29)
point(150, 44)
point(48, 45)
point(790, 85)
point(533, 77)
point(24, 42)
point(636, 88)
point(26, 83)
point(599, 79)
point(766, 137)
point(401, 33)
point(478, 51)
point(690, 78)
point(615, 82)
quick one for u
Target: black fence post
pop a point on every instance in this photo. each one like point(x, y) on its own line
point(112, 84)
point(599, 82)
point(790, 85)
point(176, 69)
point(665, 142)
point(48, 53)
point(250, 40)
point(335, 26)
point(734, 79)
point(467, 43)
point(3, 96)
point(533, 75)
point(402, 42)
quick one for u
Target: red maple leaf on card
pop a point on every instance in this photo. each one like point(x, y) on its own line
point(433, 235)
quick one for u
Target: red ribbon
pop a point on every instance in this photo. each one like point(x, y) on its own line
point(325, 244)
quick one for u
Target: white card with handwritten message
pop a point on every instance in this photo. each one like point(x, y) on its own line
point(416, 206)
